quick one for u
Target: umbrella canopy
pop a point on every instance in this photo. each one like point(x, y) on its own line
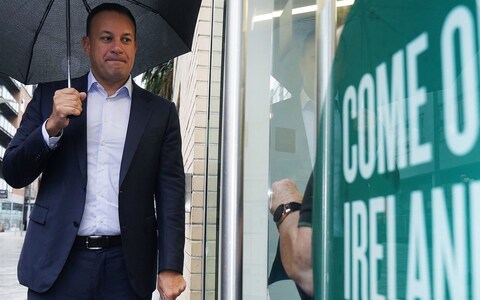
point(34, 35)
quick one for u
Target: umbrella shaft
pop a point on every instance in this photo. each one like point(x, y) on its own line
point(68, 44)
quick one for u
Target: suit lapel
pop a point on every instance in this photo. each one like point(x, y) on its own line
point(81, 121)
point(139, 115)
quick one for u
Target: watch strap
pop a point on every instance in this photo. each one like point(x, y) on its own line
point(283, 210)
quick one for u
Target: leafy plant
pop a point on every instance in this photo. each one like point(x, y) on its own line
point(159, 80)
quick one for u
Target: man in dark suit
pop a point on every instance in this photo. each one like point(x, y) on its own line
point(292, 156)
point(293, 125)
point(111, 197)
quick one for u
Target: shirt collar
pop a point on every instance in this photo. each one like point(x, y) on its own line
point(304, 99)
point(93, 81)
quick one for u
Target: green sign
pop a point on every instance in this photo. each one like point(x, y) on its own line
point(407, 182)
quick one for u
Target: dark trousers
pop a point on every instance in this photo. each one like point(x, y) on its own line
point(91, 275)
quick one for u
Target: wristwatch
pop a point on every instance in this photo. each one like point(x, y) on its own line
point(283, 210)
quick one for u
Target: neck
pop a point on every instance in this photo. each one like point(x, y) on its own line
point(110, 87)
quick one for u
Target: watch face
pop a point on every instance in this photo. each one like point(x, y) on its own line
point(278, 212)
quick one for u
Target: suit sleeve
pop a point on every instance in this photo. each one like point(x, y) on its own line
point(306, 210)
point(27, 154)
point(170, 197)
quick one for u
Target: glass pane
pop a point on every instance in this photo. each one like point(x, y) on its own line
point(406, 139)
point(293, 105)
point(255, 163)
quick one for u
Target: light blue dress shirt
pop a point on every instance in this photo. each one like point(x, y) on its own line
point(310, 123)
point(107, 122)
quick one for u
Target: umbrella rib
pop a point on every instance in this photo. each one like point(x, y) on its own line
point(151, 9)
point(142, 5)
point(37, 33)
point(87, 7)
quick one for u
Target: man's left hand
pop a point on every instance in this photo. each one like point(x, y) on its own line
point(170, 284)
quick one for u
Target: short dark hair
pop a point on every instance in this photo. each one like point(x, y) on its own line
point(111, 7)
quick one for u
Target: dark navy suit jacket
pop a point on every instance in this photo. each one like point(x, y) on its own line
point(151, 177)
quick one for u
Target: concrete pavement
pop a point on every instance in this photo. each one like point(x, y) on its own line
point(10, 246)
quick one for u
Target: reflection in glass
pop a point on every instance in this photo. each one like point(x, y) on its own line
point(292, 135)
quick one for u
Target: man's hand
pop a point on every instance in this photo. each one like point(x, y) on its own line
point(170, 284)
point(295, 242)
point(284, 191)
point(66, 102)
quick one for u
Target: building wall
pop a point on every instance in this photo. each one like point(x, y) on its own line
point(190, 93)
point(18, 97)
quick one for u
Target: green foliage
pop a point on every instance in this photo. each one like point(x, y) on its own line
point(159, 80)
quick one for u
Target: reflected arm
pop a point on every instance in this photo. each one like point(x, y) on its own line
point(296, 252)
point(295, 241)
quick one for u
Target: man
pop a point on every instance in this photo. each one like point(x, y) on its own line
point(293, 125)
point(112, 189)
point(294, 223)
point(294, 143)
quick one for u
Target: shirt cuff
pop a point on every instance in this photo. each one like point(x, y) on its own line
point(51, 141)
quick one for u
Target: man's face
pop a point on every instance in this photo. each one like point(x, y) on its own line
point(308, 68)
point(111, 47)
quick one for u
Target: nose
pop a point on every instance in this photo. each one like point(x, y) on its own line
point(117, 46)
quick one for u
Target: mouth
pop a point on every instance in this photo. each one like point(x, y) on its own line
point(115, 60)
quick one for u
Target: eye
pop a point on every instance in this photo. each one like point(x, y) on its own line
point(105, 38)
point(126, 40)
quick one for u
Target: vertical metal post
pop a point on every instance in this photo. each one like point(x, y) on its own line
point(325, 52)
point(231, 175)
point(11, 214)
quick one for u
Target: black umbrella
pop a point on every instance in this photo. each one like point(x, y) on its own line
point(35, 35)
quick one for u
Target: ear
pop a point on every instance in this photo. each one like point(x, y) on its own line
point(86, 45)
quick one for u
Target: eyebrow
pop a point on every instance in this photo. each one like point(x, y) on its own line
point(123, 34)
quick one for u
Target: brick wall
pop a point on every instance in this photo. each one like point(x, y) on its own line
point(196, 87)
